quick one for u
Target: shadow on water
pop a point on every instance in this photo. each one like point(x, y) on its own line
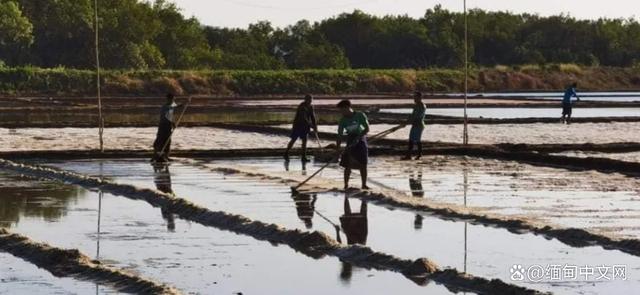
point(24, 197)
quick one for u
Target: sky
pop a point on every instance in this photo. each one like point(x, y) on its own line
point(281, 13)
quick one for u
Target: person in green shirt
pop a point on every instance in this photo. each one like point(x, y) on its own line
point(356, 154)
point(417, 125)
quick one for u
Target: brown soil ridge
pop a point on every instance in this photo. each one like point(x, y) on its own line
point(604, 165)
point(515, 152)
point(314, 244)
point(72, 263)
point(571, 236)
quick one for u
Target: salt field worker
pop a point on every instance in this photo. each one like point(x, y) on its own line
point(567, 104)
point(165, 128)
point(304, 121)
point(356, 154)
point(417, 125)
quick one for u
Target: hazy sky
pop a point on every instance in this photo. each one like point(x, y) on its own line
point(240, 13)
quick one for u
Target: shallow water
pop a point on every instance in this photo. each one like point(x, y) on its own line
point(628, 157)
point(587, 96)
point(20, 277)
point(603, 203)
point(483, 251)
point(195, 259)
point(513, 113)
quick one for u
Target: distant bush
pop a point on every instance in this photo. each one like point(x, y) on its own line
point(501, 68)
point(570, 68)
point(529, 68)
point(30, 80)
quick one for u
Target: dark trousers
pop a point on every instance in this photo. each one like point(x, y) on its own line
point(163, 137)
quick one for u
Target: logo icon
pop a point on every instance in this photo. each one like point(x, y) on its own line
point(517, 272)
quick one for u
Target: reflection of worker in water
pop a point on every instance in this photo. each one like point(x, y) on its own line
point(162, 179)
point(415, 183)
point(304, 167)
point(346, 272)
point(305, 206)
point(355, 225)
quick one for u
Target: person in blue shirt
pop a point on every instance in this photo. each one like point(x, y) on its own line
point(567, 104)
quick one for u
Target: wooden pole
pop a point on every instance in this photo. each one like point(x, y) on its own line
point(465, 132)
point(100, 118)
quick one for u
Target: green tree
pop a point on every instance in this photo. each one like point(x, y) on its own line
point(16, 32)
point(182, 41)
point(63, 32)
point(127, 29)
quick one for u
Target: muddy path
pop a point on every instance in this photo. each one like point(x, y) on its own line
point(571, 236)
point(614, 147)
point(515, 147)
point(125, 117)
point(314, 244)
point(518, 153)
point(72, 263)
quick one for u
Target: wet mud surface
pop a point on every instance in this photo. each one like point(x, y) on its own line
point(272, 202)
point(196, 259)
point(521, 133)
point(133, 139)
point(20, 277)
point(627, 157)
point(313, 244)
point(582, 199)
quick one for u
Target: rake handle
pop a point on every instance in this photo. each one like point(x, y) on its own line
point(166, 143)
point(340, 152)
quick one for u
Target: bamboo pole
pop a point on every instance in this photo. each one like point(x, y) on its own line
point(465, 131)
point(97, 51)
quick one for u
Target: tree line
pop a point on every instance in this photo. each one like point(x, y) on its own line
point(144, 35)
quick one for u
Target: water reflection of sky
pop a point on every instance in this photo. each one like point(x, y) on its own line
point(194, 258)
point(587, 96)
point(511, 113)
point(408, 234)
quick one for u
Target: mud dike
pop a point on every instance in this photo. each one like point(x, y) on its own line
point(314, 244)
point(571, 236)
point(72, 263)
